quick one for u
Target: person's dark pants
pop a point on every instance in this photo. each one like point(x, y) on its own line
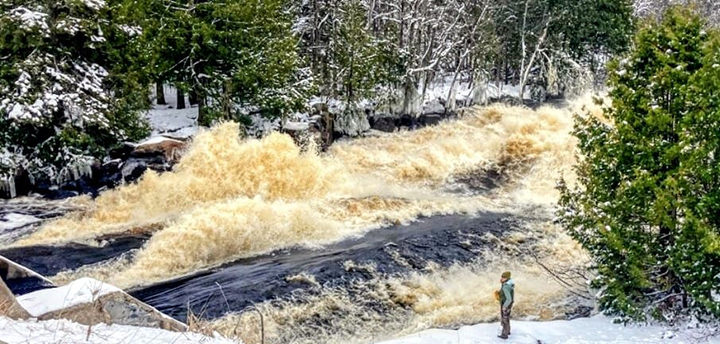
point(505, 320)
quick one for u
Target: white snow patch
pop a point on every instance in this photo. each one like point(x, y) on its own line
point(173, 122)
point(66, 331)
point(170, 121)
point(83, 290)
point(14, 220)
point(596, 330)
point(296, 126)
point(95, 4)
point(156, 139)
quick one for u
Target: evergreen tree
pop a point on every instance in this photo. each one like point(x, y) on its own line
point(647, 199)
point(228, 54)
point(60, 101)
point(595, 27)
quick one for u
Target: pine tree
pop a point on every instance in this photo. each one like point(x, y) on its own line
point(646, 204)
point(60, 103)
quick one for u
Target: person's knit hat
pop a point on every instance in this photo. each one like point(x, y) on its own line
point(506, 274)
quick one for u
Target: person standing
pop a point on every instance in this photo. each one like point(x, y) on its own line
point(507, 297)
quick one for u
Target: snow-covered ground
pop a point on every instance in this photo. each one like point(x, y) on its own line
point(169, 121)
point(596, 330)
point(66, 331)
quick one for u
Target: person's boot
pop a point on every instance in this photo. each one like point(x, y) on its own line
point(503, 337)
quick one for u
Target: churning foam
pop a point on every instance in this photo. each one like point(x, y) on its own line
point(230, 197)
point(385, 307)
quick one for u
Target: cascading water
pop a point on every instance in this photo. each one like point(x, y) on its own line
point(230, 198)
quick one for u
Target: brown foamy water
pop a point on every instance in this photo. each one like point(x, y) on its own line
point(230, 197)
point(387, 307)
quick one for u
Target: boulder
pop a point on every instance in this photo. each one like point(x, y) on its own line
point(351, 123)
point(383, 123)
point(15, 184)
point(159, 146)
point(304, 133)
point(116, 308)
point(122, 152)
point(430, 119)
point(132, 170)
point(435, 107)
point(90, 302)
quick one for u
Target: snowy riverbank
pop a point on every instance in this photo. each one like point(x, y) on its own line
point(66, 331)
point(596, 330)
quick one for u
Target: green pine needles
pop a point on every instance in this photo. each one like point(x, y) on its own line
point(648, 198)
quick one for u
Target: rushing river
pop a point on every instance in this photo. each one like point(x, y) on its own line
point(376, 237)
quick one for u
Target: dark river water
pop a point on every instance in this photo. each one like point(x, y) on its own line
point(442, 240)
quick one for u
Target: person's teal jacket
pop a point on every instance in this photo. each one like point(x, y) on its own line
point(507, 293)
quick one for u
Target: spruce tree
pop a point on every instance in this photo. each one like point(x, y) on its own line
point(647, 198)
point(60, 101)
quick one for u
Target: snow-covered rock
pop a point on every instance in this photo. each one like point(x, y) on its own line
point(434, 107)
point(66, 331)
point(84, 290)
point(296, 126)
point(90, 302)
point(352, 123)
point(596, 330)
point(170, 149)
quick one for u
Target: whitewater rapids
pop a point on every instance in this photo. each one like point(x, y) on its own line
point(230, 198)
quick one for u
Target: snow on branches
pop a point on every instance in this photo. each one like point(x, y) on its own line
point(58, 107)
point(47, 86)
point(52, 77)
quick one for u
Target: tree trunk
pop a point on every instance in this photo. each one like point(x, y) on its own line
point(160, 93)
point(202, 110)
point(193, 97)
point(180, 99)
point(528, 67)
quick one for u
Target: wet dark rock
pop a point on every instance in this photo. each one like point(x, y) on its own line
point(122, 152)
point(127, 163)
point(133, 169)
point(383, 123)
point(477, 182)
point(430, 119)
point(406, 121)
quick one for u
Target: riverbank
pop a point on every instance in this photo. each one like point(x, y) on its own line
point(595, 330)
